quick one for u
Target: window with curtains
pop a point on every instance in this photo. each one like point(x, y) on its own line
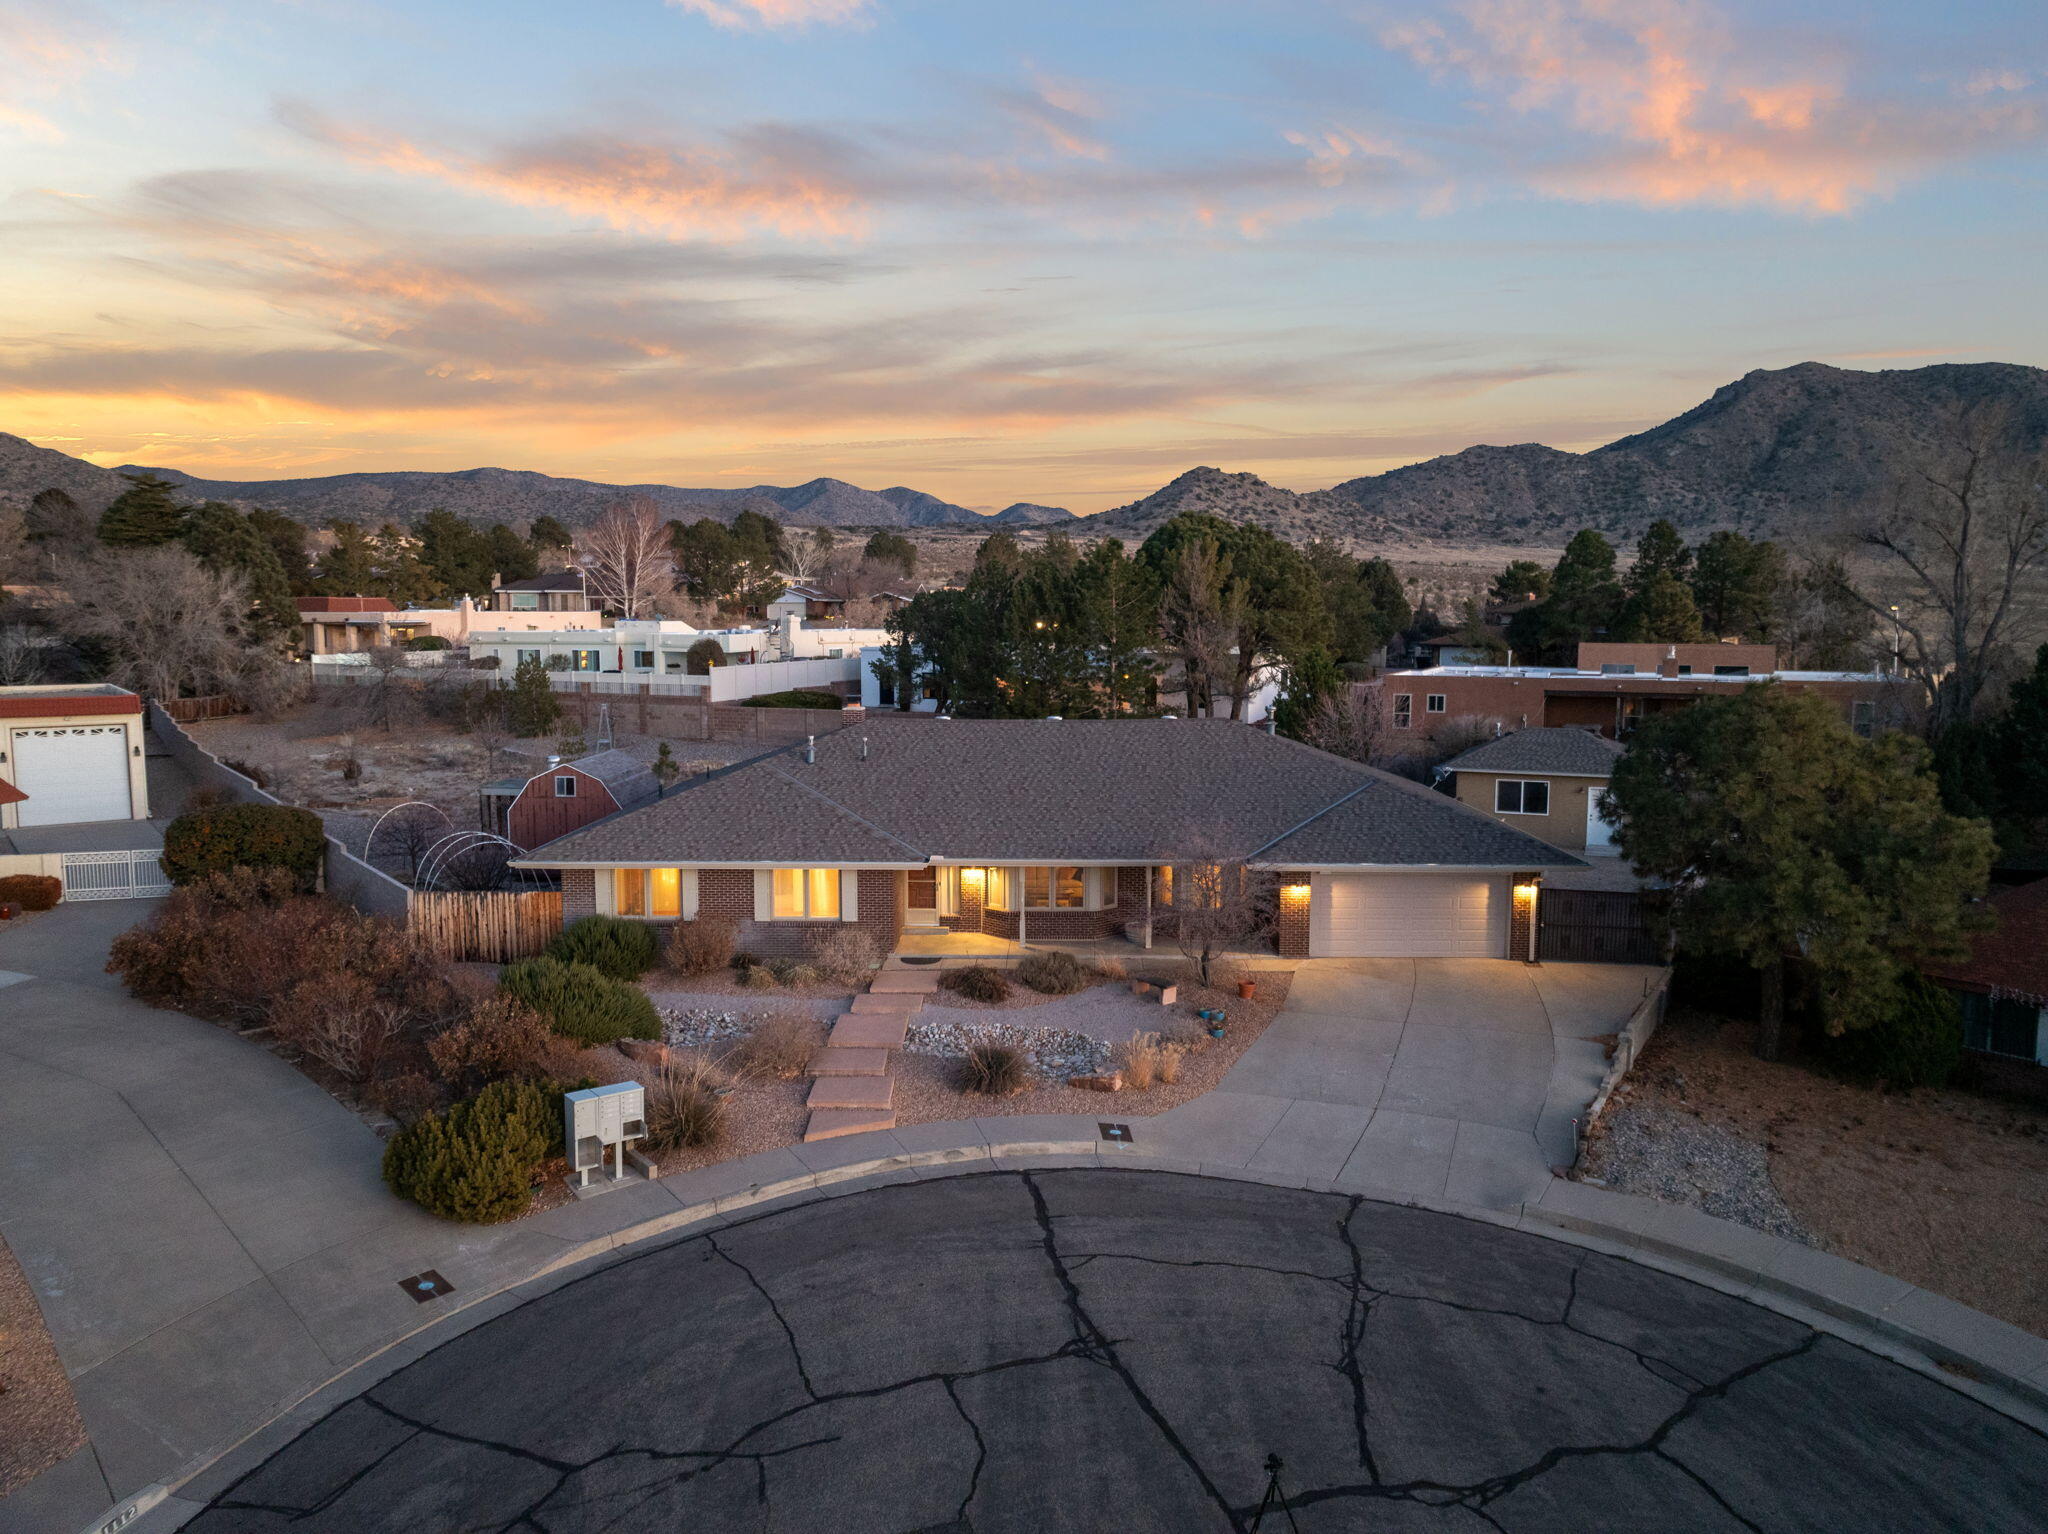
point(652, 892)
point(1054, 887)
point(805, 894)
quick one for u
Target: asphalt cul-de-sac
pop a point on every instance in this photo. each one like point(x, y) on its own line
point(1113, 1350)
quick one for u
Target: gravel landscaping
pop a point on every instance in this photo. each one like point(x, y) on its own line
point(39, 1421)
point(1947, 1189)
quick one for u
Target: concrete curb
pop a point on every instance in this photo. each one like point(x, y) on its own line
point(1997, 1365)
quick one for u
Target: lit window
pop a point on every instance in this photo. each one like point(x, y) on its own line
point(1433, 703)
point(1034, 888)
point(565, 787)
point(665, 891)
point(585, 660)
point(1404, 709)
point(632, 899)
point(805, 894)
point(1516, 796)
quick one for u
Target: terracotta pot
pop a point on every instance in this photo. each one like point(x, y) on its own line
point(1245, 989)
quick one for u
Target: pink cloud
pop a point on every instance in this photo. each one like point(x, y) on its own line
point(45, 50)
point(775, 13)
point(1666, 103)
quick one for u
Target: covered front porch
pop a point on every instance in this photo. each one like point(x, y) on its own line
point(949, 950)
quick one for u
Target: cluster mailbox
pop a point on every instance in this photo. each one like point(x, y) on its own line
point(601, 1118)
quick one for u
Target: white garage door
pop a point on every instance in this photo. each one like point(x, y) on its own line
point(72, 774)
point(1408, 916)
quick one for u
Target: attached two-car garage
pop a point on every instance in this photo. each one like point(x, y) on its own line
point(1409, 916)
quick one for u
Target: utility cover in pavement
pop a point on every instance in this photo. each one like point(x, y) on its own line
point(426, 1286)
point(1118, 1132)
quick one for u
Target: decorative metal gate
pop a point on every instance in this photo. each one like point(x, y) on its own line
point(114, 875)
point(1596, 927)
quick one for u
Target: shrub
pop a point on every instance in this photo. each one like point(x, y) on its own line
point(1056, 974)
point(32, 892)
point(702, 946)
point(703, 656)
point(248, 770)
point(611, 945)
point(992, 1068)
point(244, 836)
point(1919, 1045)
point(427, 642)
point(477, 1160)
point(343, 1022)
point(801, 974)
point(1140, 1058)
point(499, 1036)
point(758, 977)
point(977, 982)
point(685, 1105)
point(744, 961)
point(778, 1045)
point(796, 697)
point(844, 955)
point(580, 1002)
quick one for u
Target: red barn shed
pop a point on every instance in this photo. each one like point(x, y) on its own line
point(531, 811)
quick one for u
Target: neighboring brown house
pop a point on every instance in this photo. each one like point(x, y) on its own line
point(1547, 782)
point(2003, 985)
point(565, 797)
point(552, 591)
point(1610, 691)
point(1059, 830)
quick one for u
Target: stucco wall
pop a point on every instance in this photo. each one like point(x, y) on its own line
point(1565, 824)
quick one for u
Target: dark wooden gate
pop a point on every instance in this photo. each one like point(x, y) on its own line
point(1597, 927)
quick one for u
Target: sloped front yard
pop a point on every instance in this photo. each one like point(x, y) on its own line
point(1947, 1189)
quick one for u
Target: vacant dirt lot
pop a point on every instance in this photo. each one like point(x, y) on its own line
point(1947, 1189)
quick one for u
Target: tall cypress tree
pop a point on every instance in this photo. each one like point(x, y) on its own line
point(223, 539)
point(142, 516)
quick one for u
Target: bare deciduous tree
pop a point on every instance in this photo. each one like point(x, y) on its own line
point(1218, 906)
point(1351, 723)
point(1965, 558)
point(168, 625)
point(627, 559)
point(1199, 620)
point(24, 654)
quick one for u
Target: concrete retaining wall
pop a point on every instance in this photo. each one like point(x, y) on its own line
point(1628, 1047)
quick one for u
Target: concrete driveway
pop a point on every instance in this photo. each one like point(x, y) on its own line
point(1447, 1078)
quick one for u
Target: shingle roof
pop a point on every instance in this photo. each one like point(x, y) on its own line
point(2013, 957)
point(552, 580)
point(629, 778)
point(1570, 752)
point(1101, 791)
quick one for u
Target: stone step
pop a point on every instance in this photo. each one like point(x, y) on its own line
point(901, 1005)
point(830, 1123)
point(841, 1060)
point(904, 982)
point(869, 1030)
point(852, 1092)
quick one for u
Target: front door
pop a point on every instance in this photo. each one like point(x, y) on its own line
point(921, 903)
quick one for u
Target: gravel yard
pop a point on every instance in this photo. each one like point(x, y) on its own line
point(1947, 1189)
point(39, 1422)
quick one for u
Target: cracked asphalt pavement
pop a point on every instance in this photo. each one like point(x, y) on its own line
point(1121, 1350)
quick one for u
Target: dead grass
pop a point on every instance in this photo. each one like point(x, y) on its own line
point(1947, 1189)
point(39, 1421)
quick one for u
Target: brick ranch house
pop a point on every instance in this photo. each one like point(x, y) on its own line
point(1050, 830)
point(2003, 985)
point(1612, 689)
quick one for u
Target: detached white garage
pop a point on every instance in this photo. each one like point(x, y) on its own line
point(72, 774)
point(1408, 916)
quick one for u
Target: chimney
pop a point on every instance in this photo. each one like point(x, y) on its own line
point(811, 748)
point(1668, 666)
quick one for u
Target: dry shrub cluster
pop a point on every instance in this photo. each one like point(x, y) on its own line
point(993, 1069)
point(686, 1103)
point(1148, 1059)
point(778, 1046)
point(845, 956)
point(699, 947)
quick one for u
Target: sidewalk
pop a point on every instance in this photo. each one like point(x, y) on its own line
point(217, 1244)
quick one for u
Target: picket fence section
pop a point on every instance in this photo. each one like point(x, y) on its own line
point(495, 925)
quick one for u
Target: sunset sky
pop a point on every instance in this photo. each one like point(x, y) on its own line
point(1055, 252)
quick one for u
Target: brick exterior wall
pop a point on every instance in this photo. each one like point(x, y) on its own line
point(1290, 930)
point(1072, 926)
point(728, 894)
point(579, 894)
point(1522, 920)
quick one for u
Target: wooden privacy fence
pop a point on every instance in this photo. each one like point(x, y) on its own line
point(185, 710)
point(496, 925)
point(1597, 927)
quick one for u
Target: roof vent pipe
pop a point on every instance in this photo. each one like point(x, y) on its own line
point(863, 748)
point(1052, 718)
point(554, 761)
point(1272, 725)
point(811, 748)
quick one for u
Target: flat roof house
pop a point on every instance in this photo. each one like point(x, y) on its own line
point(71, 755)
point(1547, 782)
point(1050, 830)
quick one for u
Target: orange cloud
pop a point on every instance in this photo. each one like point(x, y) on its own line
point(1671, 107)
point(779, 181)
point(775, 13)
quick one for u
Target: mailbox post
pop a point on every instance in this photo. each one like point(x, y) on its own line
point(601, 1118)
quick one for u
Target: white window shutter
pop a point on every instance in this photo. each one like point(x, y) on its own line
point(764, 894)
point(604, 891)
point(849, 894)
point(689, 894)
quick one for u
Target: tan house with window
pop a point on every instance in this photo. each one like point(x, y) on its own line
point(1052, 830)
point(1545, 782)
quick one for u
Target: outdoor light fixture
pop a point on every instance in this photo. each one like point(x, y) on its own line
point(1295, 892)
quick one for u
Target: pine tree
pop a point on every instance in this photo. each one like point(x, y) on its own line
point(223, 539)
point(1659, 610)
point(349, 568)
point(402, 576)
point(533, 708)
point(512, 558)
point(1308, 681)
point(143, 516)
point(549, 538)
point(287, 537)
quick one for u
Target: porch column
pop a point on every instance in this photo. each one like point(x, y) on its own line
point(1022, 902)
point(1151, 873)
